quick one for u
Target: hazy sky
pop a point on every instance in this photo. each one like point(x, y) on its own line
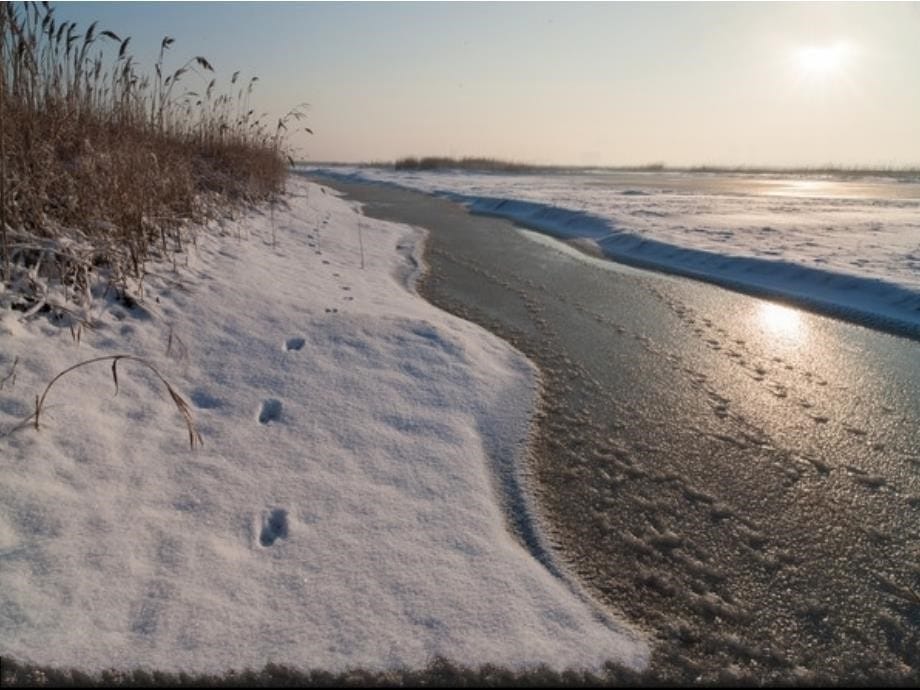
point(577, 83)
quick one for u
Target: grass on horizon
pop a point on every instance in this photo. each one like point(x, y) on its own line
point(102, 166)
point(486, 164)
point(444, 162)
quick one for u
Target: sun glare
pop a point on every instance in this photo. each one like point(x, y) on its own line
point(781, 321)
point(822, 61)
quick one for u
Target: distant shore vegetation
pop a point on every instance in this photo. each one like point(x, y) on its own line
point(485, 164)
point(103, 165)
point(447, 163)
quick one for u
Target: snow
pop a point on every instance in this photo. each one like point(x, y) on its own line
point(846, 248)
point(346, 508)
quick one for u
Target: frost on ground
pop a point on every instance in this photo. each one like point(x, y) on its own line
point(846, 248)
point(343, 511)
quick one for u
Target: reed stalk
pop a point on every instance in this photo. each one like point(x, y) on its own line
point(101, 165)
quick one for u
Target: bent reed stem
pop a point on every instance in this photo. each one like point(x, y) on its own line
point(183, 407)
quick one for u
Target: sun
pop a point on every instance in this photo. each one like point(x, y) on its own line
point(822, 61)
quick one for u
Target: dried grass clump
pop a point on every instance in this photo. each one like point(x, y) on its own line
point(438, 673)
point(101, 166)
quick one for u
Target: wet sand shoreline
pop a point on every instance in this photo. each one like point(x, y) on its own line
point(671, 486)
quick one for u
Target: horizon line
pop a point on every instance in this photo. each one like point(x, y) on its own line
point(434, 162)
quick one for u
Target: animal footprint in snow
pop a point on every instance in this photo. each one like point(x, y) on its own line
point(204, 400)
point(346, 287)
point(293, 344)
point(270, 412)
point(332, 311)
point(274, 527)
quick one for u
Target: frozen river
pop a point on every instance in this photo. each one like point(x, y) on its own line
point(849, 248)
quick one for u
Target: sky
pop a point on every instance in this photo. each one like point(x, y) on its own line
point(802, 84)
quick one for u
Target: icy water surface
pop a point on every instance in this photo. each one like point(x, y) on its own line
point(740, 477)
point(755, 184)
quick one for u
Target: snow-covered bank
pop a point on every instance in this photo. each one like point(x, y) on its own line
point(845, 249)
point(343, 510)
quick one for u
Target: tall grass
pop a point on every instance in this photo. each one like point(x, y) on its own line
point(907, 172)
point(102, 165)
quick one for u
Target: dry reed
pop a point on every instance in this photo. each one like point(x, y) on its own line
point(102, 166)
point(183, 407)
point(10, 376)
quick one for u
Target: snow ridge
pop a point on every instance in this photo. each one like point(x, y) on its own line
point(867, 300)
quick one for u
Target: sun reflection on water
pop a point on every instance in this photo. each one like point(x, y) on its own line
point(807, 188)
point(781, 321)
